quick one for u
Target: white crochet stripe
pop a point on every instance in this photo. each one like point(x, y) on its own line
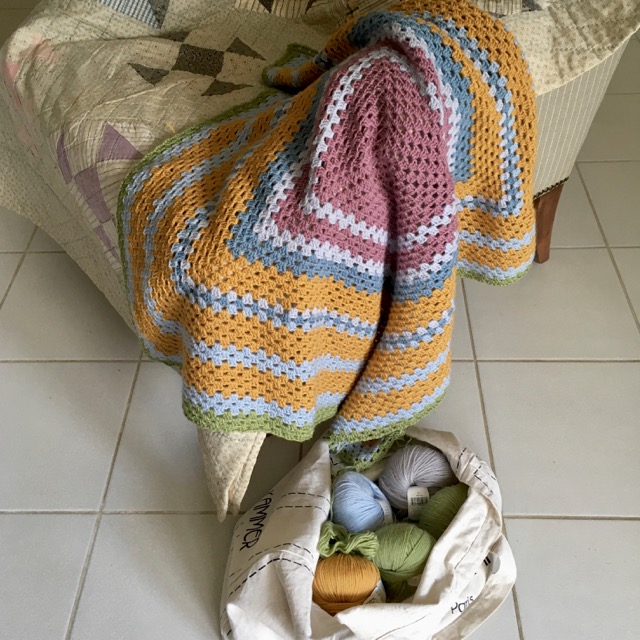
point(408, 35)
point(347, 87)
point(376, 385)
point(292, 315)
point(424, 232)
point(424, 271)
point(269, 232)
point(335, 216)
point(487, 240)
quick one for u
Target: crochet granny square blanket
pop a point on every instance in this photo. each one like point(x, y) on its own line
point(297, 256)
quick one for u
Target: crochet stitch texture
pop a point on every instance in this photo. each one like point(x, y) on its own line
point(297, 258)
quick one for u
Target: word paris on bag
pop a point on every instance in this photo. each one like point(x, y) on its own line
point(267, 591)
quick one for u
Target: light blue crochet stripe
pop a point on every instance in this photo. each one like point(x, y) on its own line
point(137, 9)
point(295, 72)
point(497, 84)
point(144, 173)
point(292, 320)
point(392, 383)
point(413, 339)
point(274, 364)
point(342, 425)
point(194, 225)
point(377, 25)
point(244, 405)
point(487, 240)
point(495, 273)
point(369, 28)
point(243, 242)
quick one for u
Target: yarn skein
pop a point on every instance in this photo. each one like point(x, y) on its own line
point(358, 504)
point(335, 538)
point(402, 554)
point(414, 465)
point(442, 508)
point(342, 581)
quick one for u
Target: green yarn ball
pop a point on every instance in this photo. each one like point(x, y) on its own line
point(442, 508)
point(402, 553)
point(335, 538)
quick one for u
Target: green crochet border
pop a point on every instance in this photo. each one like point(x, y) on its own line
point(252, 421)
point(388, 437)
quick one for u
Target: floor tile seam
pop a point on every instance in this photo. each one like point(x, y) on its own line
point(592, 247)
point(478, 380)
point(160, 512)
point(47, 512)
point(46, 252)
point(82, 578)
point(575, 517)
point(17, 270)
point(33, 252)
point(487, 435)
point(516, 607)
point(123, 423)
point(559, 360)
point(621, 160)
point(611, 256)
point(87, 560)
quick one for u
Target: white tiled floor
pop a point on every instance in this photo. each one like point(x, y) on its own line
point(106, 528)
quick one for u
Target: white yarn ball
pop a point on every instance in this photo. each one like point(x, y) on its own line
point(414, 465)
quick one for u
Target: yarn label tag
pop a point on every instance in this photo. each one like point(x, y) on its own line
point(377, 595)
point(386, 511)
point(417, 498)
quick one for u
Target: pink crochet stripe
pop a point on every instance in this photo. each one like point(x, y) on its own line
point(403, 173)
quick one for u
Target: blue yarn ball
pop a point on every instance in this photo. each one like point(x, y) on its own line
point(355, 503)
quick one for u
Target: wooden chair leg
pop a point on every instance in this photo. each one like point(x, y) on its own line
point(546, 206)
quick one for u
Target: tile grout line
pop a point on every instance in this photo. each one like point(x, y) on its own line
point(209, 512)
point(98, 520)
point(33, 253)
point(487, 436)
point(514, 594)
point(561, 360)
point(478, 382)
point(18, 267)
point(604, 161)
point(595, 246)
point(48, 512)
point(524, 516)
point(634, 315)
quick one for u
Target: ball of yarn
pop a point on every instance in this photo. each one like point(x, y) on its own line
point(356, 503)
point(335, 538)
point(442, 508)
point(342, 581)
point(414, 465)
point(402, 554)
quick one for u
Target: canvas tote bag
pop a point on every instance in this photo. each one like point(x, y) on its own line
point(267, 590)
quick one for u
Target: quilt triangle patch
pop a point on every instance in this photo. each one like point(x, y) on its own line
point(219, 88)
point(242, 49)
point(149, 74)
point(116, 147)
point(267, 4)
